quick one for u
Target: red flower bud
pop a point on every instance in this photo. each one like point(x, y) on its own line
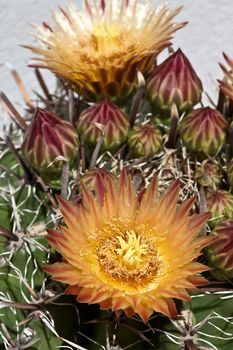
point(208, 174)
point(174, 81)
point(220, 204)
point(221, 252)
point(47, 138)
point(203, 131)
point(230, 173)
point(104, 119)
point(91, 177)
point(145, 140)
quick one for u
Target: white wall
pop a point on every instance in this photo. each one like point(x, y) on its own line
point(209, 32)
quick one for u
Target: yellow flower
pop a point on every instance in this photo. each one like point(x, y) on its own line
point(129, 252)
point(101, 48)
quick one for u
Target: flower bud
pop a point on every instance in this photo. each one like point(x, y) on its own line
point(174, 81)
point(220, 204)
point(47, 138)
point(208, 174)
point(221, 252)
point(203, 131)
point(96, 180)
point(104, 119)
point(230, 173)
point(145, 140)
point(91, 177)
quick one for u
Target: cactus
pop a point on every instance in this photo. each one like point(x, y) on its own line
point(105, 212)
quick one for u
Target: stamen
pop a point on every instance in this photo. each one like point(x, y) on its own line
point(132, 250)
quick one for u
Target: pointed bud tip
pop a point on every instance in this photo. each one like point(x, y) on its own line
point(165, 85)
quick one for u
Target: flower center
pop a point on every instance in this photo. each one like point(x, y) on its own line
point(129, 259)
point(112, 39)
point(131, 250)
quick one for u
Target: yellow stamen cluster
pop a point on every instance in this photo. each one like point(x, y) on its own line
point(128, 257)
point(131, 249)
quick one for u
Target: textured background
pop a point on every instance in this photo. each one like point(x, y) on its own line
point(208, 34)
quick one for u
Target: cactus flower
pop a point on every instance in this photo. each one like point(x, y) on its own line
point(203, 131)
point(101, 48)
point(145, 140)
point(174, 81)
point(129, 253)
point(221, 252)
point(47, 138)
point(107, 119)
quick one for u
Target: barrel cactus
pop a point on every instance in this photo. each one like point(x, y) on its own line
point(116, 201)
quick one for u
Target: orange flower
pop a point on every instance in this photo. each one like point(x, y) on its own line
point(129, 252)
point(101, 48)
